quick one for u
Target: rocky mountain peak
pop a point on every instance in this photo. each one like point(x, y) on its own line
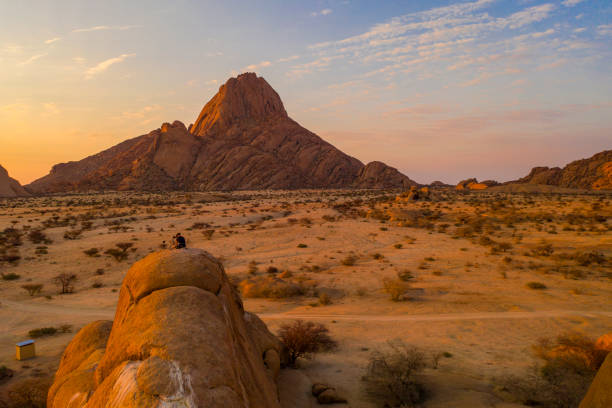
point(246, 99)
point(242, 140)
point(9, 187)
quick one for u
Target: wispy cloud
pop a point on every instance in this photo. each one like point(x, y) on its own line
point(464, 38)
point(104, 27)
point(50, 109)
point(287, 59)
point(141, 113)
point(604, 29)
point(52, 40)
point(104, 65)
point(11, 49)
point(32, 59)
point(254, 67)
point(571, 3)
point(317, 65)
point(324, 12)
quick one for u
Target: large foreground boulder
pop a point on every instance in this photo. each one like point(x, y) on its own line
point(180, 338)
point(599, 394)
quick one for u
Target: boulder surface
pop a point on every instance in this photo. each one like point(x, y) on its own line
point(180, 338)
point(599, 394)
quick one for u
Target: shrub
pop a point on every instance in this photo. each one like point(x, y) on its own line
point(573, 349)
point(302, 246)
point(536, 285)
point(29, 393)
point(303, 339)
point(38, 237)
point(10, 276)
point(391, 378)
point(5, 373)
point(588, 258)
point(395, 288)
point(42, 332)
point(116, 253)
point(405, 275)
point(504, 246)
point(208, 234)
point(65, 328)
point(325, 299)
point(569, 365)
point(93, 252)
point(41, 250)
point(73, 234)
point(349, 260)
point(543, 250)
point(124, 246)
point(66, 282)
point(398, 246)
point(32, 289)
point(269, 287)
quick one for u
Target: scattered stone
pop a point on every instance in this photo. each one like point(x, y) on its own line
point(326, 394)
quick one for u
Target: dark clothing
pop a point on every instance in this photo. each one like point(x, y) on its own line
point(180, 242)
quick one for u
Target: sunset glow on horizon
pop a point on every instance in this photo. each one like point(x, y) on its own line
point(441, 90)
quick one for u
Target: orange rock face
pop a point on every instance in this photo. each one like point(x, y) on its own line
point(242, 139)
point(599, 394)
point(9, 187)
point(180, 338)
point(592, 173)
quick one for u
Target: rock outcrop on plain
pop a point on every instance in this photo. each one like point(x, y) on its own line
point(473, 184)
point(9, 187)
point(180, 338)
point(594, 173)
point(242, 139)
point(378, 175)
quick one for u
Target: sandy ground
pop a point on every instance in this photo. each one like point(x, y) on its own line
point(473, 302)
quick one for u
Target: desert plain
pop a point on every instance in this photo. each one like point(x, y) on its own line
point(473, 279)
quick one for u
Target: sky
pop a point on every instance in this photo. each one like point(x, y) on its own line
point(441, 90)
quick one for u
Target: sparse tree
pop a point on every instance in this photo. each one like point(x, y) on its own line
point(66, 282)
point(303, 339)
point(32, 289)
point(391, 378)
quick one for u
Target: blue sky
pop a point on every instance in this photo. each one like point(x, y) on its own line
point(442, 90)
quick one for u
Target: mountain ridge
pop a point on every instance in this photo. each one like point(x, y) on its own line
point(9, 187)
point(242, 139)
point(593, 173)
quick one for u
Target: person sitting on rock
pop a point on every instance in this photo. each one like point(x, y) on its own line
point(180, 241)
